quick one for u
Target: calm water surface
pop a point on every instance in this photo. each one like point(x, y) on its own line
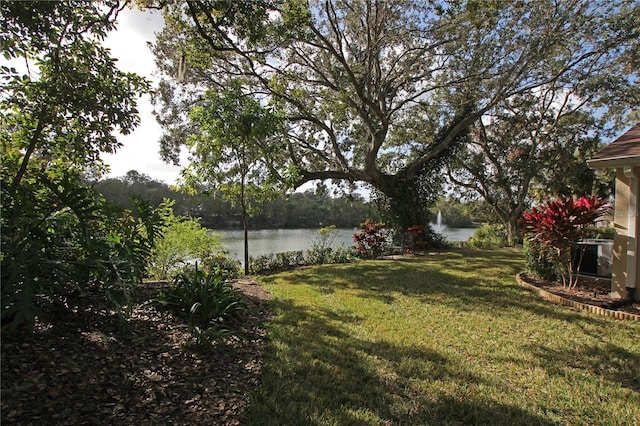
point(266, 241)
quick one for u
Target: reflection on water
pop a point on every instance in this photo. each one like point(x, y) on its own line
point(265, 241)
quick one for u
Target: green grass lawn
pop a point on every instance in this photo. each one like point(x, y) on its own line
point(440, 340)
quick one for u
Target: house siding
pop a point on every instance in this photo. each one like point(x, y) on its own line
point(624, 278)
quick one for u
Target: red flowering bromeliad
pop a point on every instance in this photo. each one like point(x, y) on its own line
point(559, 225)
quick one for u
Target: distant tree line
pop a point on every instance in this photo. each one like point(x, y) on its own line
point(310, 209)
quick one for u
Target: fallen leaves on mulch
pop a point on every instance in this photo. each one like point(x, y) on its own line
point(591, 291)
point(90, 367)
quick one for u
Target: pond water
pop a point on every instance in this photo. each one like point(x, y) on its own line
point(266, 241)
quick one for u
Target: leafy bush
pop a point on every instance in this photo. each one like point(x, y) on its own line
point(489, 236)
point(320, 253)
point(277, 261)
point(322, 245)
point(207, 303)
point(341, 255)
point(538, 263)
point(372, 240)
point(60, 238)
point(183, 241)
point(221, 264)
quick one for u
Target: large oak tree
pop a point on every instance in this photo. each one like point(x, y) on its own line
point(380, 91)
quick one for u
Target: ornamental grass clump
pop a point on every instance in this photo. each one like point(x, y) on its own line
point(556, 228)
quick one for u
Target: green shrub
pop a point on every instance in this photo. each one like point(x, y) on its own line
point(221, 264)
point(283, 261)
point(321, 246)
point(489, 236)
point(207, 303)
point(183, 240)
point(277, 261)
point(341, 255)
point(538, 262)
point(60, 238)
point(320, 253)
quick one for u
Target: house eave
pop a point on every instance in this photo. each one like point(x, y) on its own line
point(615, 162)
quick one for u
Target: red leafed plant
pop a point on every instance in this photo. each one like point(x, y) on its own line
point(371, 240)
point(558, 225)
point(418, 240)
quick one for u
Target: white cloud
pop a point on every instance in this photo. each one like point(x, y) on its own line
point(141, 148)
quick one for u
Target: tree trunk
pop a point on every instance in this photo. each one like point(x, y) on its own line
point(245, 224)
point(512, 231)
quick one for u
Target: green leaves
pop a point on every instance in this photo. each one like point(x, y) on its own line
point(233, 145)
point(182, 240)
point(207, 303)
point(58, 236)
point(375, 91)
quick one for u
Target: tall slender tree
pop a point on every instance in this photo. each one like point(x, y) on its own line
point(233, 151)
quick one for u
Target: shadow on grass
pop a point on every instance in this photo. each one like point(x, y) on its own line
point(608, 360)
point(324, 366)
point(317, 373)
point(468, 280)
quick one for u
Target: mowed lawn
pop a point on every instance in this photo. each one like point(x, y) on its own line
point(442, 340)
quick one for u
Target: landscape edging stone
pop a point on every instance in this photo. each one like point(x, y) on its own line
point(578, 305)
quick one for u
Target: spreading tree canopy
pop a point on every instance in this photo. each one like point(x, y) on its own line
point(382, 92)
point(532, 145)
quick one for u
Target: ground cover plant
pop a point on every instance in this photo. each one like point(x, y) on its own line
point(443, 339)
point(206, 302)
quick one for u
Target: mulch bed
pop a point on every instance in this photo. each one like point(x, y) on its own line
point(90, 367)
point(590, 291)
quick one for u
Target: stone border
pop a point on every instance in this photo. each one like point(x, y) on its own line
point(597, 310)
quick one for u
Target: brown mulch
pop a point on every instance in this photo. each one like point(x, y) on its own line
point(590, 291)
point(90, 367)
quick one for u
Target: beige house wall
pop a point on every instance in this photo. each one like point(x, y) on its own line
point(626, 261)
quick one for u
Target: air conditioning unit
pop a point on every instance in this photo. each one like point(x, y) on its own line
point(597, 257)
